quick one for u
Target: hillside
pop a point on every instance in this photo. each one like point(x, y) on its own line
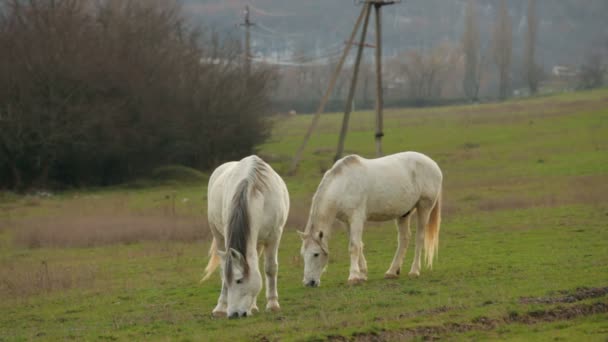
point(522, 253)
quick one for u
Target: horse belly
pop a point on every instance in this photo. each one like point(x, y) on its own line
point(390, 204)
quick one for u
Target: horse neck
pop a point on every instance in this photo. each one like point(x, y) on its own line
point(322, 216)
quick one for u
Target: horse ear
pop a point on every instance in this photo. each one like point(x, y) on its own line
point(222, 254)
point(236, 255)
point(321, 235)
point(303, 235)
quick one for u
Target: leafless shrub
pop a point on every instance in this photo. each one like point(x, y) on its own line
point(592, 72)
point(131, 80)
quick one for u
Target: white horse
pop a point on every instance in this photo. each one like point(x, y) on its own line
point(248, 204)
point(356, 190)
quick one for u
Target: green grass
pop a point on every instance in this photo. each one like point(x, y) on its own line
point(526, 212)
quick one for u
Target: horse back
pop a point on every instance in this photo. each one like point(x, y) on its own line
point(385, 188)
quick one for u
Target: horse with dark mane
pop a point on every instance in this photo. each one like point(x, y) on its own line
point(248, 204)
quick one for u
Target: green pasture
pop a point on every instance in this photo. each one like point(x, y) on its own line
point(525, 229)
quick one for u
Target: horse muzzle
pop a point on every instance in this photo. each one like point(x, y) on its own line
point(236, 314)
point(312, 283)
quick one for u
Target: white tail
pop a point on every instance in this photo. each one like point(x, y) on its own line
point(214, 261)
point(431, 236)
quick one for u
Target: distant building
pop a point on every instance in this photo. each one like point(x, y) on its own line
point(564, 71)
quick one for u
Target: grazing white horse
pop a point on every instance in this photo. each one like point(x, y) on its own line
point(248, 204)
point(356, 190)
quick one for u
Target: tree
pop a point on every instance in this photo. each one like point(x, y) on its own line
point(470, 45)
point(531, 69)
point(100, 92)
point(592, 71)
point(503, 49)
point(426, 72)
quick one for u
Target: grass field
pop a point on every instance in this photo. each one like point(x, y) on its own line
point(523, 249)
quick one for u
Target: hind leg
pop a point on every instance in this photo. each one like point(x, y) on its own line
point(403, 236)
point(424, 211)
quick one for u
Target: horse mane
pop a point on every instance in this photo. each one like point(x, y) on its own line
point(336, 170)
point(254, 183)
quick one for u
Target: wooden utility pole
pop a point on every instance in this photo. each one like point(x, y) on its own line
point(365, 12)
point(379, 95)
point(330, 88)
point(353, 84)
point(247, 53)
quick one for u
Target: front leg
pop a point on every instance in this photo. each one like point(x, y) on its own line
point(222, 302)
point(357, 259)
point(362, 261)
point(271, 267)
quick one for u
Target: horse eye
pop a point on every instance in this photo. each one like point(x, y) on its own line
point(239, 281)
point(316, 255)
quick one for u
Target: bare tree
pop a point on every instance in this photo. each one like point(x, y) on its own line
point(426, 72)
point(470, 45)
point(592, 71)
point(531, 69)
point(503, 43)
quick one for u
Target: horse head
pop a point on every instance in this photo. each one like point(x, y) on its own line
point(316, 255)
point(243, 283)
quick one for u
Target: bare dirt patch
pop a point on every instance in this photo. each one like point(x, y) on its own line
point(482, 323)
point(577, 295)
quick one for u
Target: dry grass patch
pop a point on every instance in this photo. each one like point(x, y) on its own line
point(88, 223)
point(24, 280)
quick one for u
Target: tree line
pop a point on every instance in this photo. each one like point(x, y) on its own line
point(100, 92)
point(481, 66)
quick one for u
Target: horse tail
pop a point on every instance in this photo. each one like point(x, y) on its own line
point(431, 237)
point(214, 261)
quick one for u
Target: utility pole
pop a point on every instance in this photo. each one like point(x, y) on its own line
point(353, 84)
point(379, 94)
point(247, 54)
point(330, 88)
point(365, 12)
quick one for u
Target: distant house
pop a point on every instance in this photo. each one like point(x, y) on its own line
point(564, 71)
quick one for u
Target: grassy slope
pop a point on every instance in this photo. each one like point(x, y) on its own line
point(525, 215)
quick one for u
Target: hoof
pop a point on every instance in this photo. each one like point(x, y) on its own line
point(356, 281)
point(219, 314)
point(254, 309)
point(391, 276)
point(414, 274)
point(273, 308)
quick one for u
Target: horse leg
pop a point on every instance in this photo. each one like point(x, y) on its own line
point(403, 238)
point(222, 302)
point(356, 249)
point(362, 262)
point(271, 267)
point(424, 211)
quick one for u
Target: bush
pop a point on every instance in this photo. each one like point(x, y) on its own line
point(101, 92)
point(178, 173)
